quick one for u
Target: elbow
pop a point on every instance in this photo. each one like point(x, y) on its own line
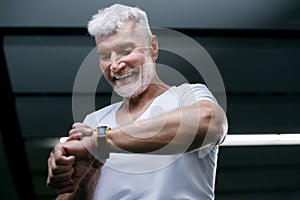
point(213, 126)
point(216, 126)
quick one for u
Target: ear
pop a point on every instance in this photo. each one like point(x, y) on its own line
point(154, 47)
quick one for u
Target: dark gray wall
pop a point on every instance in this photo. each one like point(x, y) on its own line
point(236, 14)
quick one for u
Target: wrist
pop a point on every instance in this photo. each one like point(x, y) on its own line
point(116, 139)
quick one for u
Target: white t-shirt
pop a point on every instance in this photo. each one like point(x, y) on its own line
point(158, 177)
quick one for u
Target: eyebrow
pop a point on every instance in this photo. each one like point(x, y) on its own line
point(120, 46)
point(125, 45)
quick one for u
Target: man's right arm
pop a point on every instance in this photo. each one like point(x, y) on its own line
point(73, 179)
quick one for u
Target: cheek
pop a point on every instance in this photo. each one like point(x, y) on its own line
point(136, 59)
point(102, 65)
point(104, 68)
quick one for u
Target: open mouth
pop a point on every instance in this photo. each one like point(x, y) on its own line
point(124, 76)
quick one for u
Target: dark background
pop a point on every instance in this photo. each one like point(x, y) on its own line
point(255, 45)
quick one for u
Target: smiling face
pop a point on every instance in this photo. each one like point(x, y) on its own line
point(127, 61)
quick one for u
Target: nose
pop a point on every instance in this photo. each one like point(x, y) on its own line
point(116, 62)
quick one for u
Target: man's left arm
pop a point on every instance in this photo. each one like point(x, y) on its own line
point(182, 130)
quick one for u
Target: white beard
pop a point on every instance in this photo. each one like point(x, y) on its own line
point(132, 89)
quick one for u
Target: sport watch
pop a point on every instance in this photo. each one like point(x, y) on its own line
point(103, 148)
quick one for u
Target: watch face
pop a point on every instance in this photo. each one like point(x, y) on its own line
point(102, 130)
point(103, 149)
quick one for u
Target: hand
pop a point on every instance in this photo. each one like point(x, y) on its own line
point(68, 164)
point(78, 132)
point(60, 169)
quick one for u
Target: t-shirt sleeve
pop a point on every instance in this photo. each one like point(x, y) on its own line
point(91, 120)
point(191, 93)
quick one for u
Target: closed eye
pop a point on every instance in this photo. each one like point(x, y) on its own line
point(104, 56)
point(125, 49)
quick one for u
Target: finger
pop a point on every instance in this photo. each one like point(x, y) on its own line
point(50, 174)
point(62, 184)
point(75, 136)
point(58, 167)
point(59, 184)
point(54, 169)
point(73, 131)
point(59, 154)
point(76, 178)
point(61, 179)
point(80, 130)
point(84, 131)
point(64, 160)
point(57, 178)
point(67, 189)
point(78, 124)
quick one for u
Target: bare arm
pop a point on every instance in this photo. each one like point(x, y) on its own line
point(182, 130)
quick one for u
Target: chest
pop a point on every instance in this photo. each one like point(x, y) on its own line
point(125, 116)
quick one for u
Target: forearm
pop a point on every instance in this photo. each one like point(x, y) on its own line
point(178, 131)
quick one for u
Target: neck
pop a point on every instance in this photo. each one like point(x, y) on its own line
point(146, 97)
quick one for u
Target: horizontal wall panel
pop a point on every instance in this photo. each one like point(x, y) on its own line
point(46, 116)
point(52, 64)
point(258, 179)
point(46, 63)
point(260, 195)
point(233, 14)
point(258, 156)
point(256, 64)
point(263, 113)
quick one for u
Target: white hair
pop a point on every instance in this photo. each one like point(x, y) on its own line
point(108, 20)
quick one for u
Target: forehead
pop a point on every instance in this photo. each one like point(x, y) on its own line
point(125, 34)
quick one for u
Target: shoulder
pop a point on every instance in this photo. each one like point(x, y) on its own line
point(187, 87)
point(190, 93)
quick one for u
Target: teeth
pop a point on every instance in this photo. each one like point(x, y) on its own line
point(124, 76)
